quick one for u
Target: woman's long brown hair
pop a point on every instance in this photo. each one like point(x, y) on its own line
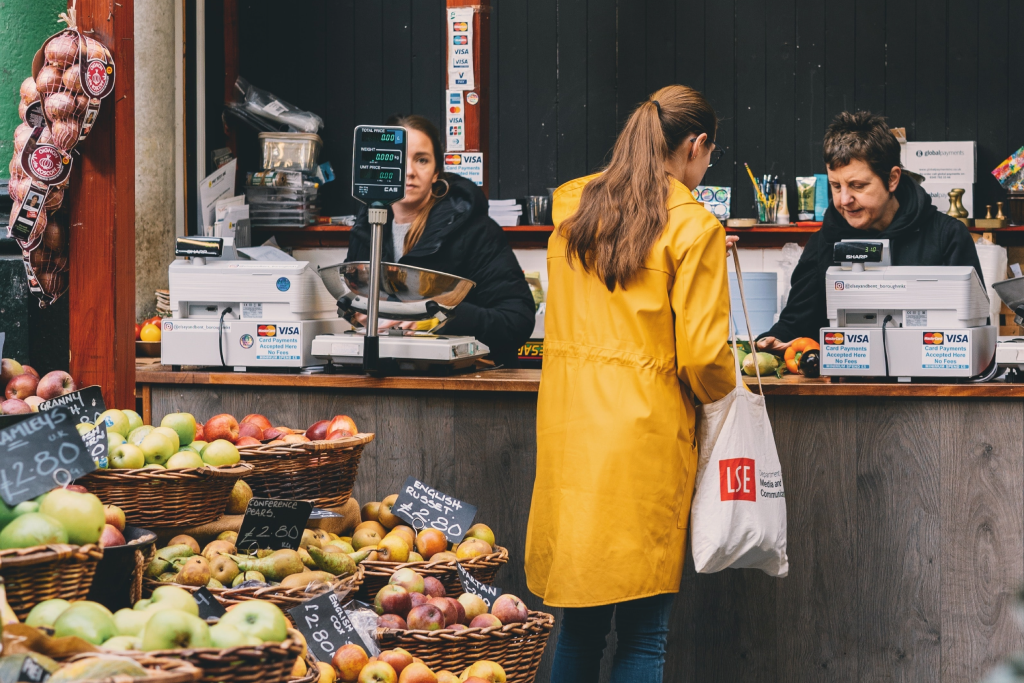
point(423, 125)
point(622, 212)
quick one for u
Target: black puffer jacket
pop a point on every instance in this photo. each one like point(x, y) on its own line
point(918, 236)
point(461, 239)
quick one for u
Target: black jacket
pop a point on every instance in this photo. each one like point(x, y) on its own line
point(918, 236)
point(461, 239)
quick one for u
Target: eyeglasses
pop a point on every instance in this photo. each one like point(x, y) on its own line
point(716, 153)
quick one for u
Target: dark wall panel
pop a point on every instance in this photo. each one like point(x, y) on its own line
point(565, 75)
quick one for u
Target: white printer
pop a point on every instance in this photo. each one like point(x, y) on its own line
point(903, 321)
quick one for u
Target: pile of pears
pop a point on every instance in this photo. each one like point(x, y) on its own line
point(322, 557)
point(172, 446)
point(169, 620)
point(58, 516)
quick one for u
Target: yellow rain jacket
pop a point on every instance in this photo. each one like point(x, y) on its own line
point(616, 458)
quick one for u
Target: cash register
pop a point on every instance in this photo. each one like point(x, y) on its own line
point(904, 322)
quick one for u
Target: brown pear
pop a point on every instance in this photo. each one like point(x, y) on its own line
point(213, 548)
point(239, 499)
point(224, 569)
point(195, 571)
point(231, 536)
point(186, 540)
point(309, 538)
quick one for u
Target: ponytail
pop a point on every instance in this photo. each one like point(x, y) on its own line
point(623, 212)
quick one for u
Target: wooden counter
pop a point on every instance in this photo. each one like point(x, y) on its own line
point(906, 513)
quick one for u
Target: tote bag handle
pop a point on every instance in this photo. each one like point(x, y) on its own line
point(746, 317)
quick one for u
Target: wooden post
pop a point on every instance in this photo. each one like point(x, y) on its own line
point(102, 210)
point(478, 115)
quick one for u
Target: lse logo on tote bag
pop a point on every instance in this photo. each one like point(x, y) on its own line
point(736, 477)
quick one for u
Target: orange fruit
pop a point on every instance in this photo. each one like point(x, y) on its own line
point(150, 333)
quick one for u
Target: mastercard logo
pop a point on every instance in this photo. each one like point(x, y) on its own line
point(834, 338)
point(460, 26)
point(266, 330)
point(453, 159)
point(455, 110)
point(934, 338)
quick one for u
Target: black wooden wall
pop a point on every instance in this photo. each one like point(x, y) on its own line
point(565, 74)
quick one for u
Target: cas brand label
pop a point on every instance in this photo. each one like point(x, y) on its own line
point(737, 479)
point(945, 351)
point(846, 351)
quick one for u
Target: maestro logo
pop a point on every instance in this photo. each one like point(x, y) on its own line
point(840, 285)
point(934, 338)
point(834, 338)
point(736, 479)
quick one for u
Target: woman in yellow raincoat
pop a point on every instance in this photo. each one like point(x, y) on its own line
point(636, 328)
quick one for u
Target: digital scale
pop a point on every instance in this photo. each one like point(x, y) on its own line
point(903, 321)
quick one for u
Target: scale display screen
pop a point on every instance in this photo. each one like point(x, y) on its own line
point(378, 168)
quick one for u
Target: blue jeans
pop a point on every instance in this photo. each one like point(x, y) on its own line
point(641, 627)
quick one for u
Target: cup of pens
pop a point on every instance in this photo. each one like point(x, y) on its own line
point(766, 195)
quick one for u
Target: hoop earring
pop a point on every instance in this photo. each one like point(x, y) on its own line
point(447, 187)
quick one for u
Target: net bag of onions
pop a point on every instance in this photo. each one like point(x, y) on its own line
point(60, 102)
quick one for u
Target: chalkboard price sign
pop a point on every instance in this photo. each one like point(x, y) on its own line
point(208, 605)
point(32, 672)
point(40, 453)
point(96, 443)
point(426, 508)
point(273, 523)
point(326, 625)
point(470, 585)
point(86, 405)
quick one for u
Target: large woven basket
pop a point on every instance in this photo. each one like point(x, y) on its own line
point(32, 575)
point(482, 568)
point(516, 647)
point(312, 671)
point(161, 670)
point(267, 663)
point(322, 472)
point(285, 598)
point(167, 498)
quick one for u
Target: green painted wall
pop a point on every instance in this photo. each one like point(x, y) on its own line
point(24, 25)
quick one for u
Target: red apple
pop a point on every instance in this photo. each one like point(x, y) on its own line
point(33, 403)
point(476, 679)
point(248, 441)
point(485, 621)
point(115, 516)
point(433, 587)
point(377, 672)
point(392, 600)
point(425, 618)
point(276, 432)
point(258, 420)
point(21, 386)
point(77, 488)
point(397, 658)
point(391, 621)
point(138, 331)
point(54, 384)
point(29, 370)
point(251, 430)
point(417, 672)
point(335, 436)
point(221, 426)
point(417, 599)
point(111, 537)
point(9, 368)
point(348, 661)
point(200, 436)
point(14, 406)
point(456, 627)
point(451, 615)
point(484, 672)
point(510, 610)
point(318, 432)
point(295, 438)
point(342, 423)
point(460, 611)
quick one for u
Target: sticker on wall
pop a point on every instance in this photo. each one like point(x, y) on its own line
point(455, 122)
point(460, 49)
point(472, 98)
point(470, 166)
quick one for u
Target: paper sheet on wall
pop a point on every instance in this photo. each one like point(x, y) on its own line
point(217, 185)
point(460, 49)
point(455, 122)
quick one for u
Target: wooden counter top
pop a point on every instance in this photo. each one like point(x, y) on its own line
point(529, 381)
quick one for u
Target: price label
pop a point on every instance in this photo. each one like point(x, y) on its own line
point(470, 585)
point(320, 513)
point(86, 405)
point(208, 605)
point(326, 626)
point(273, 523)
point(41, 453)
point(96, 443)
point(426, 508)
point(32, 672)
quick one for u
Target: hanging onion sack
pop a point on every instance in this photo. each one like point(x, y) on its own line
point(59, 104)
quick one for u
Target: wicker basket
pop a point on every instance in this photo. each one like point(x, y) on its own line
point(267, 663)
point(482, 568)
point(167, 498)
point(322, 472)
point(161, 669)
point(285, 598)
point(312, 671)
point(516, 647)
point(32, 575)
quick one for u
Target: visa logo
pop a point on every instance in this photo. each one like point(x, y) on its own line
point(857, 338)
point(462, 50)
point(957, 338)
point(288, 329)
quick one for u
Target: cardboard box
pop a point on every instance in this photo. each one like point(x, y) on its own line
point(942, 162)
point(939, 192)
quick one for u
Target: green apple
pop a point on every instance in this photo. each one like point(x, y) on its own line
point(84, 427)
point(179, 598)
point(154, 466)
point(90, 621)
point(6, 514)
point(172, 630)
point(198, 446)
point(127, 457)
point(158, 448)
point(115, 420)
point(114, 440)
point(25, 507)
point(32, 529)
point(122, 644)
point(184, 459)
point(224, 636)
point(171, 434)
point(221, 452)
point(265, 620)
point(134, 419)
point(183, 424)
point(139, 433)
point(130, 622)
point(46, 612)
point(81, 514)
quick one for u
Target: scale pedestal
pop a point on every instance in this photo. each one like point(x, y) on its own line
point(401, 352)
